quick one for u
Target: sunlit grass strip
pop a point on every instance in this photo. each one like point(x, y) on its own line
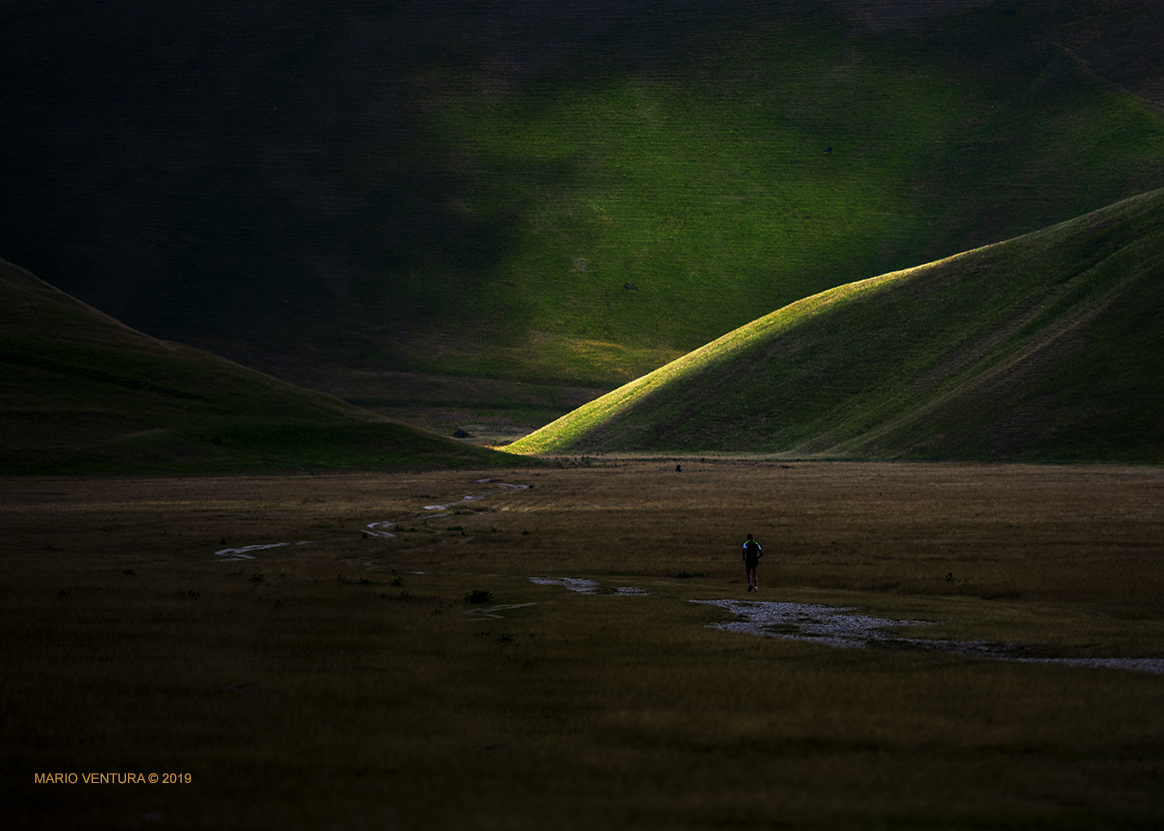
point(560, 435)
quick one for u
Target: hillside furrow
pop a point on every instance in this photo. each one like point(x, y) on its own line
point(1001, 382)
point(988, 374)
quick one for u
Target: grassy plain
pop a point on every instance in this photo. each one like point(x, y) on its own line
point(348, 683)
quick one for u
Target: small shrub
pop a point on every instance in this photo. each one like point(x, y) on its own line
point(479, 596)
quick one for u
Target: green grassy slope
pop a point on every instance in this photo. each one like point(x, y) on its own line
point(535, 191)
point(80, 392)
point(1046, 347)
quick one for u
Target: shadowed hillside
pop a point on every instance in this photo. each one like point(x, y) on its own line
point(543, 191)
point(1046, 347)
point(81, 393)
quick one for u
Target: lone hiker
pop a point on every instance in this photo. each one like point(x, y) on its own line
point(752, 555)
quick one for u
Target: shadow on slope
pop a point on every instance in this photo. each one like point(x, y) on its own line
point(542, 191)
point(1046, 347)
point(82, 393)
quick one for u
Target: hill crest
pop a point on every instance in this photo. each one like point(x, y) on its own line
point(82, 393)
point(1044, 347)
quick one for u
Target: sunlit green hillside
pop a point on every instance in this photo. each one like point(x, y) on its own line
point(80, 392)
point(1046, 347)
point(543, 192)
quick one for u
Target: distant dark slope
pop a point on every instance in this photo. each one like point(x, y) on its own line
point(80, 392)
point(1045, 347)
point(540, 189)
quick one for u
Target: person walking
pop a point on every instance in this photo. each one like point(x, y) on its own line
point(752, 555)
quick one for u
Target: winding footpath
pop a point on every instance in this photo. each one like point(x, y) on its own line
point(845, 627)
point(838, 626)
point(380, 529)
point(377, 529)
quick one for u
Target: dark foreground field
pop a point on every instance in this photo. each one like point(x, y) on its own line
point(349, 682)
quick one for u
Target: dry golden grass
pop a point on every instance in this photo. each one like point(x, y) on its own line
point(330, 685)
